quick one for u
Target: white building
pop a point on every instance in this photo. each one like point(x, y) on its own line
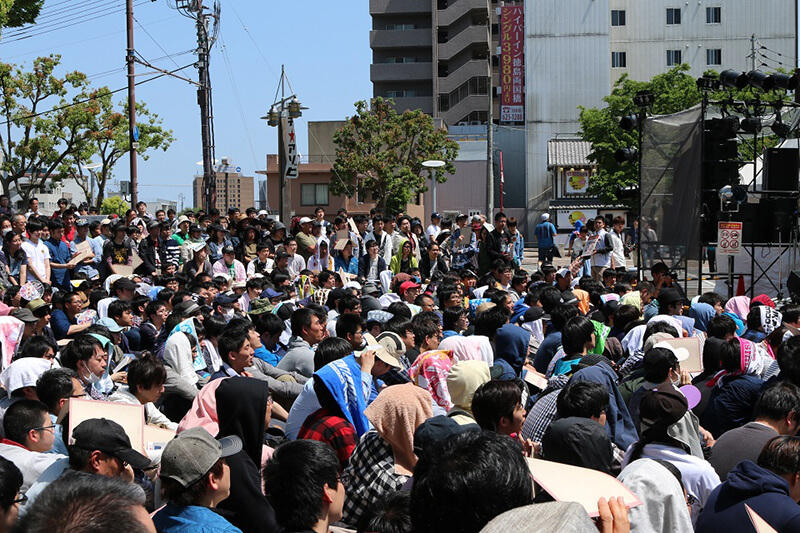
point(576, 49)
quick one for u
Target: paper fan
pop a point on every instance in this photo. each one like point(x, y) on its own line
point(32, 290)
point(87, 316)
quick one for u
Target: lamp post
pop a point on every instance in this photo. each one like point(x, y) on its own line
point(430, 165)
point(91, 167)
point(282, 114)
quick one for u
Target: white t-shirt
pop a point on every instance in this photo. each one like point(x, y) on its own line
point(433, 231)
point(618, 252)
point(37, 255)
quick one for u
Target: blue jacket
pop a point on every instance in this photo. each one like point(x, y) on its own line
point(191, 519)
point(766, 493)
point(547, 349)
point(731, 404)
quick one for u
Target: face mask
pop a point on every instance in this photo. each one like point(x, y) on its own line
point(5, 231)
point(91, 378)
point(676, 382)
point(229, 314)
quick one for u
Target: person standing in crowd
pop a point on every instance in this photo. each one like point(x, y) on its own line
point(435, 228)
point(545, 234)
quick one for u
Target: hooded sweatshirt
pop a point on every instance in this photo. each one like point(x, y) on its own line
point(663, 506)
point(463, 380)
point(511, 343)
point(242, 409)
point(579, 442)
point(766, 493)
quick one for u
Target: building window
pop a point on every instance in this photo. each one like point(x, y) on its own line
point(314, 194)
point(713, 56)
point(618, 59)
point(400, 94)
point(673, 58)
point(673, 15)
point(617, 17)
point(400, 26)
point(713, 15)
point(401, 60)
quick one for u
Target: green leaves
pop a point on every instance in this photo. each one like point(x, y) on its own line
point(381, 151)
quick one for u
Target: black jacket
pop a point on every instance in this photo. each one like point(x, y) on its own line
point(241, 408)
point(363, 266)
point(425, 267)
point(147, 253)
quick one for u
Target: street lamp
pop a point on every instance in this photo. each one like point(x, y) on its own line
point(91, 167)
point(430, 165)
point(280, 113)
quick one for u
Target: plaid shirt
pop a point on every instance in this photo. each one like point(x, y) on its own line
point(544, 410)
point(370, 476)
point(325, 427)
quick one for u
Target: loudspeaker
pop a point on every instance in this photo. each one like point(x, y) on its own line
point(793, 284)
point(781, 167)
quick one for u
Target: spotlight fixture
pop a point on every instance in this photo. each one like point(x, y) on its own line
point(785, 81)
point(733, 79)
point(762, 81)
point(780, 128)
point(730, 197)
point(708, 84)
point(626, 155)
point(644, 98)
point(750, 125)
point(630, 122)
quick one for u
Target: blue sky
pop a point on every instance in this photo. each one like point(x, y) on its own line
point(324, 46)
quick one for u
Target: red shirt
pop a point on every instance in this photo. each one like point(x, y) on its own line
point(334, 430)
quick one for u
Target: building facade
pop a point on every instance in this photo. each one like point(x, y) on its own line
point(436, 55)
point(233, 188)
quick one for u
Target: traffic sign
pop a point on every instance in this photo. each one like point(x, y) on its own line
point(729, 238)
point(136, 133)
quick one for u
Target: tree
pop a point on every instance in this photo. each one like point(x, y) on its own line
point(39, 133)
point(108, 139)
point(381, 151)
point(674, 91)
point(114, 205)
point(16, 13)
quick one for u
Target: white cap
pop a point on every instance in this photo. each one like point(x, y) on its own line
point(263, 212)
point(681, 354)
point(305, 220)
point(562, 272)
point(545, 216)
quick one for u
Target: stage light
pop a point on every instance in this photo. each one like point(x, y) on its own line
point(733, 79)
point(760, 80)
point(785, 81)
point(750, 125)
point(644, 98)
point(781, 129)
point(631, 122)
point(626, 155)
point(708, 84)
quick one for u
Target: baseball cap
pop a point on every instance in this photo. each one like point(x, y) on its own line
point(562, 272)
point(108, 437)
point(476, 219)
point(281, 255)
point(105, 222)
point(153, 225)
point(81, 222)
point(545, 216)
point(436, 215)
point(305, 220)
point(228, 249)
point(568, 297)
point(186, 309)
point(661, 408)
point(668, 296)
point(270, 293)
point(124, 283)
point(263, 212)
point(224, 300)
point(192, 453)
point(408, 285)
point(461, 216)
point(112, 326)
point(195, 227)
point(681, 354)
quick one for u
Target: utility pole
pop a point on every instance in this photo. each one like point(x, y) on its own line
point(206, 114)
point(132, 138)
point(753, 52)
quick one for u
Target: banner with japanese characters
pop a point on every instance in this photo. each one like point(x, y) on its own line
point(512, 64)
point(290, 149)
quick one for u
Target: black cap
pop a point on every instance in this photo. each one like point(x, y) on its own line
point(228, 249)
point(662, 408)
point(668, 296)
point(124, 283)
point(108, 437)
point(224, 299)
point(195, 227)
point(437, 429)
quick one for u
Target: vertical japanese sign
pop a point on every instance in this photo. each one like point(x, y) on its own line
point(512, 69)
point(290, 149)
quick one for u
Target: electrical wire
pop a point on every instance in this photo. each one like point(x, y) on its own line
point(258, 49)
point(73, 104)
point(154, 40)
point(62, 19)
point(48, 14)
point(226, 60)
point(28, 36)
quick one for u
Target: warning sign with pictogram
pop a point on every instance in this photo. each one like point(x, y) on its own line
point(729, 238)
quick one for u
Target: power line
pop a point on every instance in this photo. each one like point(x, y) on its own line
point(154, 40)
point(226, 59)
point(247, 31)
point(60, 20)
point(73, 104)
point(49, 14)
point(66, 25)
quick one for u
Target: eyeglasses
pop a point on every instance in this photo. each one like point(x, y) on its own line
point(22, 499)
point(52, 426)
